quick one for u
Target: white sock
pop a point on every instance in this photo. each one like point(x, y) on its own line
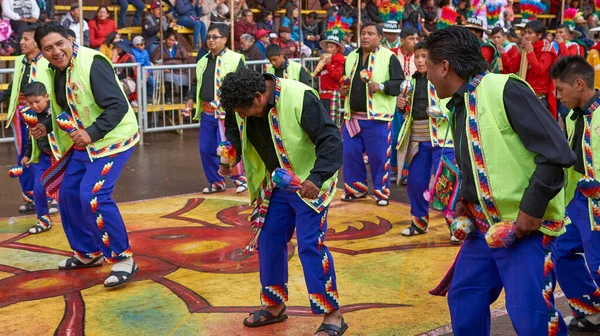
point(121, 266)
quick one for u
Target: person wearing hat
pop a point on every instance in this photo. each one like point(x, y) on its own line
point(329, 70)
point(488, 49)
point(375, 76)
point(71, 21)
point(282, 67)
point(83, 84)
point(391, 35)
point(262, 41)
point(142, 56)
point(151, 27)
point(210, 71)
point(285, 41)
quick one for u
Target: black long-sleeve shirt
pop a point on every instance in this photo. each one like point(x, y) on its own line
point(207, 90)
point(107, 94)
point(358, 96)
point(315, 122)
point(578, 115)
point(5, 95)
point(539, 133)
point(42, 142)
point(304, 76)
point(420, 97)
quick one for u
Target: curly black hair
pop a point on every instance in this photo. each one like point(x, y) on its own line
point(239, 88)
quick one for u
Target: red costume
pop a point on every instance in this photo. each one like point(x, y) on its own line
point(488, 53)
point(511, 60)
point(573, 49)
point(538, 72)
point(330, 75)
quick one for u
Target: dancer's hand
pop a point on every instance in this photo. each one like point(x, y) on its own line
point(526, 224)
point(461, 209)
point(224, 171)
point(309, 190)
point(38, 131)
point(25, 161)
point(344, 90)
point(374, 87)
point(80, 137)
point(401, 102)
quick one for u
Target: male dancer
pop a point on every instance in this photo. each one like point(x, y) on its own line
point(97, 152)
point(512, 171)
point(391, 34)
point(421, 142)
point(369, 110)
point(285, 126)
point(29, 67)
point(284, 68)
point(574, 81)
point(566, 38)
point(210, 71)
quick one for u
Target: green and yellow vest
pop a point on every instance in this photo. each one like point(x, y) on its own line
point(438, 128)
point(227, 62)
point(291, 72)
point(591, 126)
point(85, 110)
point(498, 153)
point(299, 149)
point(380, 106)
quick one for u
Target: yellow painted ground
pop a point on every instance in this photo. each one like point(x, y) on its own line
point(193, 279)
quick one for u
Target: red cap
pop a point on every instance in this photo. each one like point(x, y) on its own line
point(262, 32)
point(155, 4)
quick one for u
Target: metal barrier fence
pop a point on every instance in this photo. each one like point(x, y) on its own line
point(161, 94)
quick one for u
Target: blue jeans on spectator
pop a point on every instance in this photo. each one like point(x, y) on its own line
point(137, 18)
point(198, 26)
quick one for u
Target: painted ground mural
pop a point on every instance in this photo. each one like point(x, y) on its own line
point(194, 278)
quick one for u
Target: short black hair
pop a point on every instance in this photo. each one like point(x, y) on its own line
point(537, 27)
point(238, 88)
point(273, 50)
point(568, 68)
point(48, 28)
point(372, 24)
point(246, 11)
point(497, 30)
point(221, 28)
point(35, 89)
point(460, 48)
point(408, 31)
point(71, 33)
point(420, 45)
point(313, 15)
point(562, 26)
point(30, 28)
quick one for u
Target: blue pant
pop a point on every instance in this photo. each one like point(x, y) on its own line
point(27, 178)
point(198, 26)
point(572, 272)
point(287, 212)
point(374, 139)
point(39, 192)
point(139, 10)
point(420, 171)
point(90, 217)
point(209, 140)
point(396, 127)
point(525, 272)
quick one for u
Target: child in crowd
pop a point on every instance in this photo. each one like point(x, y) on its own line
point(143, 57)
point(284, 68)
point(38, 154)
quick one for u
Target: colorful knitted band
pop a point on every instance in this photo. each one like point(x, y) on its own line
point(53, 177)
point(589, 187)
point(90, 255)
point(238, 180)
point(54, 146)
point(356, 188)
point(15, 171)
point(547, 292)
point(29, 116)
point(257, 219)
point(66, 123)
point(116, 257)
point(585, 305)
point(273, 295)
point(420, 223)
point(324, 303)
point(216, 103)
point(321, 232)
point(95, 154)
point(589, 163)
point(27, 196)
point(286, 180)
point(99, 221)
point(44, 221)
point(435, 122)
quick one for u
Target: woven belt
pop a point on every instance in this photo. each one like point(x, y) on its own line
point(476, 213)
point(420, 131)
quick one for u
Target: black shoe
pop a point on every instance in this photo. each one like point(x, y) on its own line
point(27, 207)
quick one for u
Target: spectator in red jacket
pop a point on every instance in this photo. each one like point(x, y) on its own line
point(245, 25)
point(511, 57)
point(100, 27)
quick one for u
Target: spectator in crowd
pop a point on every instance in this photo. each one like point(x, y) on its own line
point(172, 54)
point(347, 10)
point(122, 54)
point(249, 49)
point(463, 12)
point(284, 68)
point(46, 10)
point(151, 26)
point(290, 20)
point(245, 25)
point(332, 11)
point(265, 21)
point(139, 9)
point(372, 12)
point(310, 31)
point(221, 14)
point(238, 7)
point(263, 40)
point(143, 57)
point(71, 21)
point(107, 46)
point(347, 42)
point(20, 13)
point(100, 27)
point(412, 6)
point(207, 7)
point(290, 49)
point(508, 14)
point(592, 22)
point(429, 14)
point(187, 11)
